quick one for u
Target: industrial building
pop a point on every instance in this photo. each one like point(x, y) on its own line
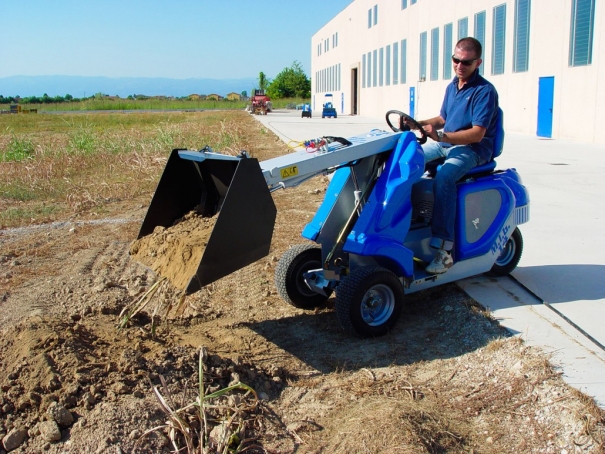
point(543, 57)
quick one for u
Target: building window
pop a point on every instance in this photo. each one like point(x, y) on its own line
point(338, 77)
point(404, 4)
point(375, 14)
point(462, 28)
point(404, 52)
point(447, 50)
point(387, 69)
point(374, 68)
point(369, 82)
point(582, 27)
point(363, 71)
point(370, 18)
point(521, 38)
point(395, 63)
point(435, 53)
point(412, 2)
point(422, 72)
point(480, 32)
point(336, 39)
point(381, 67)
point(498, 39)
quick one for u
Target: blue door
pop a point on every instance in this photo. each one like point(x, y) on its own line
point(412, 102)
point(546, 90)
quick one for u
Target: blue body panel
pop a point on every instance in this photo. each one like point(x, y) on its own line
point(466, 249)
point(339, 179)
point(385, 220)
point(512, 195)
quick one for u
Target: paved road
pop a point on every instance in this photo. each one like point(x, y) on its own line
point(555, 298)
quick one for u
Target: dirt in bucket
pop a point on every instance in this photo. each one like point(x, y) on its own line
point(175, 252)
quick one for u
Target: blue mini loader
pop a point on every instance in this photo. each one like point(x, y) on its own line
point(369, 239)
point(328, 107)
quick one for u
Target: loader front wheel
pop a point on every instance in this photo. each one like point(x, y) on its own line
point(289, 276)
point(509, 258)
point(369, 301)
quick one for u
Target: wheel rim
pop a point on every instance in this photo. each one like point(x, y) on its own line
point(301, 285)
point(507, 253)
point(377, 305)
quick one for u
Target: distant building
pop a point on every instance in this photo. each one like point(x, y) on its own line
point(234, 96)
point(543, 57)
point(214, 97)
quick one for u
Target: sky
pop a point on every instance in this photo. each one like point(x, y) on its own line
point(180, 39)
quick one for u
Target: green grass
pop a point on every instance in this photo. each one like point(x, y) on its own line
point(120, 104)
point(18, 148)
point(11, 216)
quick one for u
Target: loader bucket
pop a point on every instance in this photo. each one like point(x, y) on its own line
point(235, 189)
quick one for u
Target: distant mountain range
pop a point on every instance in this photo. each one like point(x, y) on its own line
point(82, 86)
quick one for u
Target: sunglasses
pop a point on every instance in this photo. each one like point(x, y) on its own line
point(463, 62)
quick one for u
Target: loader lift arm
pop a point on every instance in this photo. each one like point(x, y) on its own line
point(238, 189)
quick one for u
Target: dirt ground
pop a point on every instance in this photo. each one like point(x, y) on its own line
point(447, 379)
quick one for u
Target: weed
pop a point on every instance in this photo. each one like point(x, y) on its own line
point(18, 148)
point(214, 422)
point(82, 139)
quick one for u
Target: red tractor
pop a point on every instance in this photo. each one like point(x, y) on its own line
point(261, 103)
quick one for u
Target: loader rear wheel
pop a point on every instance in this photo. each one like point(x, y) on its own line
point(289, 276)
point(369, 301)
point(508, 260)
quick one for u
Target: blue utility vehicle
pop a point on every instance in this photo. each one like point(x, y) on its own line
point(328, 107)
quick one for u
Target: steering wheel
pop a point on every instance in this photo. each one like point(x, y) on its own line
point(403, 127)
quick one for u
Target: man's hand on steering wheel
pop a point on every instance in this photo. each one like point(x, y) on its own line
point(407, 123)
point(431, 132)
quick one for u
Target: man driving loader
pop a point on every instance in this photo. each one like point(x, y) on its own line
point(463, 134)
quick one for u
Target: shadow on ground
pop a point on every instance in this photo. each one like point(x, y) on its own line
point(435, 324)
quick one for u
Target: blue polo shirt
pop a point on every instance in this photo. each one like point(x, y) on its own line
point(475, 104)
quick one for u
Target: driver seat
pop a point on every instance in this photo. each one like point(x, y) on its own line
point(498, 145)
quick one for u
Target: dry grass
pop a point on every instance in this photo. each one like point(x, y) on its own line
point(79, 164)
point(505, 397)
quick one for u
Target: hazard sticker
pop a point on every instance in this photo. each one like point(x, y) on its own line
point(289, 172)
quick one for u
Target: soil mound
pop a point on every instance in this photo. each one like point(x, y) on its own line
point(175, 252)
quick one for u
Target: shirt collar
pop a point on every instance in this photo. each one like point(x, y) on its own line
point(471, 80)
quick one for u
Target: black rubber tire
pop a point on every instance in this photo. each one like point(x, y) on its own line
point(510, 256)
point(289, 276)
point(369, 284)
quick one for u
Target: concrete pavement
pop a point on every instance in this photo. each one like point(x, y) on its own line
point(556, 296)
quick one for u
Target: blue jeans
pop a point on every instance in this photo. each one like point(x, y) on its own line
point(459, 159)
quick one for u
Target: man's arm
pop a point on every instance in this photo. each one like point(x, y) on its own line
point(464, 137)
point(436, 123)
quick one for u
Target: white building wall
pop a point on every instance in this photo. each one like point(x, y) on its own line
point(578, 91)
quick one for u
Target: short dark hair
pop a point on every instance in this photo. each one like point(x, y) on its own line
point(470, 44)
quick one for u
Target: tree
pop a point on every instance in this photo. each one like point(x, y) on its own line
point(263, 82)
point(244, 94)
point(292, 82)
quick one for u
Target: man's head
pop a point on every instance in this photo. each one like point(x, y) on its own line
point(467, 57)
